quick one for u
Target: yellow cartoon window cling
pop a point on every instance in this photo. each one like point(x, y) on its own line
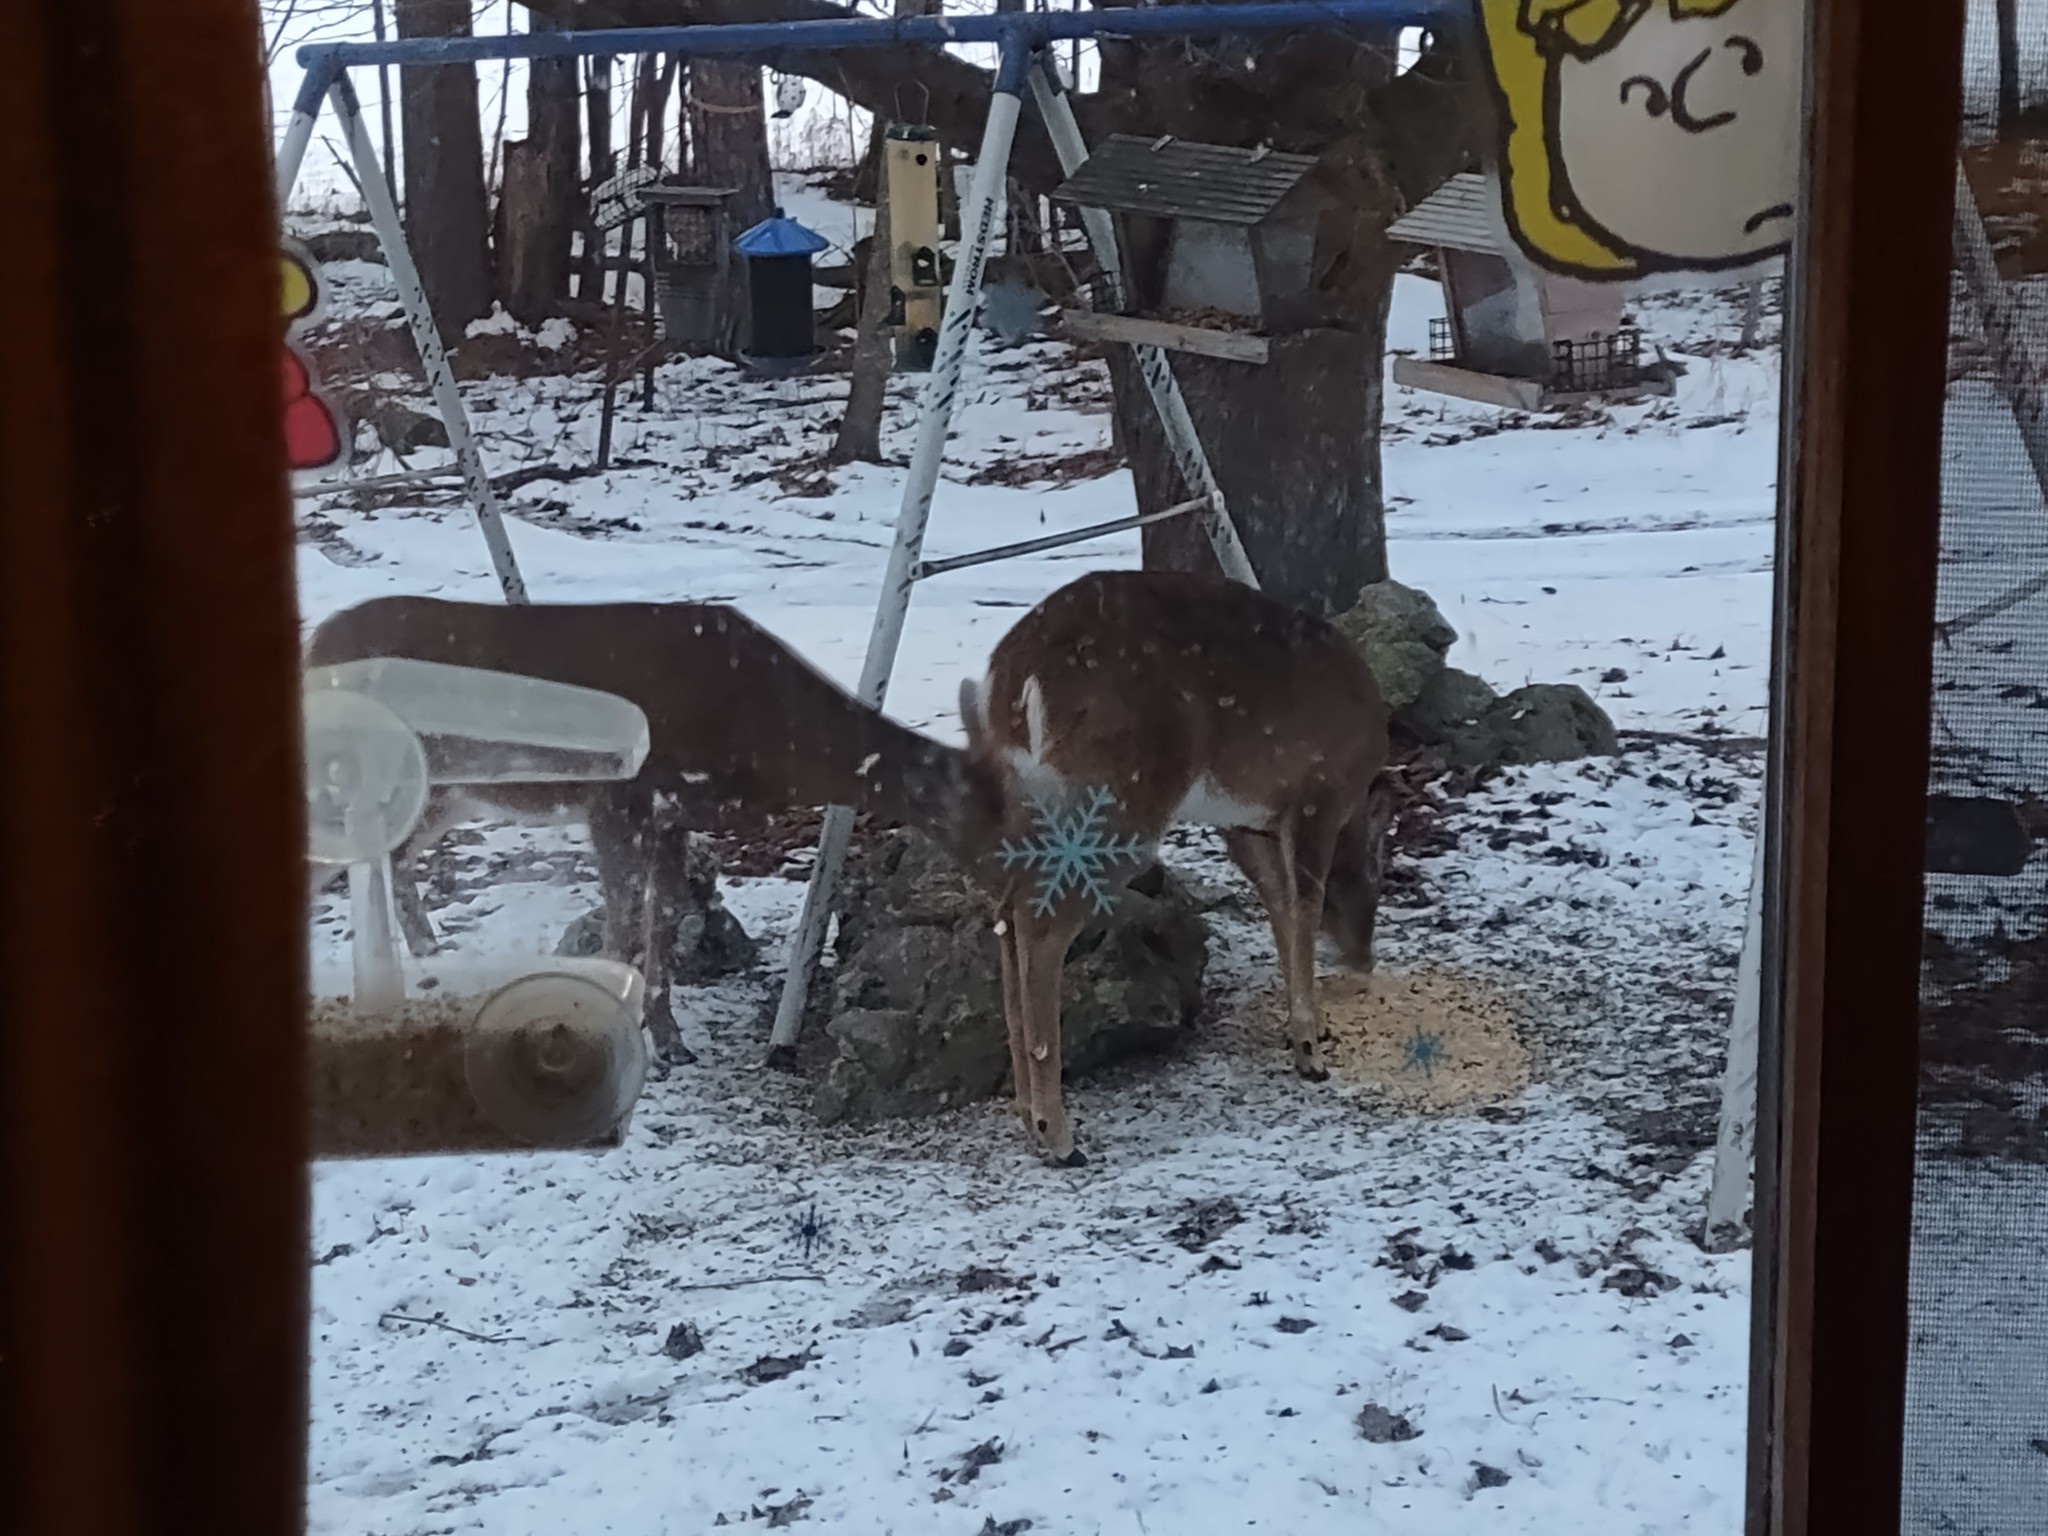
point(313, 435)
point(1644, 136)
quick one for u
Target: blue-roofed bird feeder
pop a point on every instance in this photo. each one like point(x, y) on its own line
point(778, 253)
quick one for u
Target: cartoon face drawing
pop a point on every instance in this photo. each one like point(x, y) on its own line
point(314, 435)
point(1648, 135)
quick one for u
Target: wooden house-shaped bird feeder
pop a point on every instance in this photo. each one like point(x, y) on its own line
point(1511, 334)
point(1240, 230)
point(691, 238)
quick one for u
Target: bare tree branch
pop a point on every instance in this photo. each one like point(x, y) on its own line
point(874, 78)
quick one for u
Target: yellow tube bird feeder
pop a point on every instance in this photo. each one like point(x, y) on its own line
point(910, 190)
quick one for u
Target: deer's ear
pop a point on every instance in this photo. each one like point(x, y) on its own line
point(972, 715)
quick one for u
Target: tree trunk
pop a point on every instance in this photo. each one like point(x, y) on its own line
point(860, 429)
point(447, 218)
point(729, 136)
point(1294, 443)
point(540, 197)
point(729, 148)
point(383, 105)
point(597, 104)
point(2008, 65)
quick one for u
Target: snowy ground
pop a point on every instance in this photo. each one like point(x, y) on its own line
point(979, 1341)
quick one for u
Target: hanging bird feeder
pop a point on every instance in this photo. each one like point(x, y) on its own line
point(486, 1053)
point(778, 253)
point(910, 190)
point(789, 93)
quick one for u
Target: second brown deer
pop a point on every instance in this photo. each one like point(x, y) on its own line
point(740, 727)
point(1151, 698)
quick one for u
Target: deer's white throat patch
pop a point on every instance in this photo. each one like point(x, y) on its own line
point(1209, 804)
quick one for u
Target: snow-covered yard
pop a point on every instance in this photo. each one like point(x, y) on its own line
point(1264, 1305)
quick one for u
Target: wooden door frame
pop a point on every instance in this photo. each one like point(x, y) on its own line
point(153, 1186)
point(1866, 374)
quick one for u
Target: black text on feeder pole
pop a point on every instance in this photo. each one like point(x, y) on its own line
point(917, 294)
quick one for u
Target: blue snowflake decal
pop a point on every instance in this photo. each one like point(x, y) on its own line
point(1424, 1053)
point(1073, 851)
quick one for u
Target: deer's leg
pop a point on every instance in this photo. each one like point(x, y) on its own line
point(1042, 944)
point(413, 920)
point(1013, 1015)
point(1268, 860)
point(665, 900)
point(1313, 846)
point(619, 837)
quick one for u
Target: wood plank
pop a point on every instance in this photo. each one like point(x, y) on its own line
point(1135, 330)
point(1467, 384)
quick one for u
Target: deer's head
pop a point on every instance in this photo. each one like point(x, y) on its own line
point(955, 798)
point(1351, 896)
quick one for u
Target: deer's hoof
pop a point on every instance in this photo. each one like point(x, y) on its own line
point(1074, 1159)
point(1308, 1063)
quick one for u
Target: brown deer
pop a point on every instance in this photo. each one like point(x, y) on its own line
point(740, 727)
point(1157, 698)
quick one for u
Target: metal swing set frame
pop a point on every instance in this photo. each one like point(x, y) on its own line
point(1025, 62)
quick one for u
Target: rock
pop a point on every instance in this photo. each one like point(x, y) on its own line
point(1402, 636)
point(1382, 1426)
point(1546, 723)
point(398, 426)
point(916, 1004)
point(710, 942)
point(345, 245)
point(1450, 701)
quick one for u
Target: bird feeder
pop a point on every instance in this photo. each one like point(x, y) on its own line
point(691, 242)
point(778, 253)
point(493, 1053)
point(1512, 334)
point(910, 191)
point(1239, 227)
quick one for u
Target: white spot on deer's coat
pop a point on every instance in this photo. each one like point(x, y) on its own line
point(867, 765)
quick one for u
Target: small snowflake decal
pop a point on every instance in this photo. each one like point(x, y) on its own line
point(1073, 852)
point(1423, 1053)
point(809, 1230)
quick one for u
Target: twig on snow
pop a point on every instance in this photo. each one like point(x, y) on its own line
point(726, 1285)
point(435, 1322)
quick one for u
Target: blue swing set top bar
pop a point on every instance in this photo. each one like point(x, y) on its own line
point(1036, 29)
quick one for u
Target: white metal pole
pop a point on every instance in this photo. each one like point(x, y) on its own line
point(291, 154)
point(412, 296)
point(298, 133)
point(1152, 363)
point(1735, 1138)
point(934, 418)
